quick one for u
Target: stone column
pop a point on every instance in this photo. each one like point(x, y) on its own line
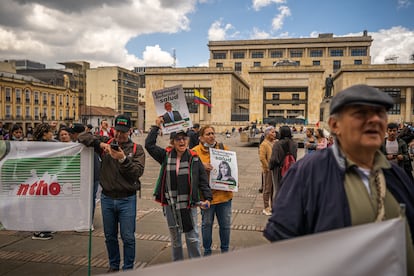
point(408, 107)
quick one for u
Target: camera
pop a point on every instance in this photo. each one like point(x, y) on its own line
point(114, 145)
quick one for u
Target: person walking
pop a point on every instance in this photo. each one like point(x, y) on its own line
point(349, 183)
point(280, 149)
point(221, 203)
point(122, 165)
point(193, 135)
point(181, 181)
point(265, 152)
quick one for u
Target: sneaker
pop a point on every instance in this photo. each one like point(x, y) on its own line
point(267, 212)
point(44, 236)
point(112, 270)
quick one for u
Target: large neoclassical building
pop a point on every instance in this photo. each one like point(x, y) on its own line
point(281, 80)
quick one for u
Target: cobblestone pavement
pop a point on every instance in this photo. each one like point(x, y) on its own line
point(67, 253)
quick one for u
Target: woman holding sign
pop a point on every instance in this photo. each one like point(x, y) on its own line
point(182, 179)
point(221, 204)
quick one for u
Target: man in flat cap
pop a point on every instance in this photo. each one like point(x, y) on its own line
point(350, 183)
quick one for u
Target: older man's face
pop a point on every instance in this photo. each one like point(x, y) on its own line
point(360, 127)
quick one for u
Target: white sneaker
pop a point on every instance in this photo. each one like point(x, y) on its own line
point(267, 212)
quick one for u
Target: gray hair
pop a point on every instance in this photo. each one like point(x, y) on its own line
point(268, 129)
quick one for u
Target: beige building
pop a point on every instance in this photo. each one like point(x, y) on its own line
point(283, 80)
point(114, 87)
point(27, 101)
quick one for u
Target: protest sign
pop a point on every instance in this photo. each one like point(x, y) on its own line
point(224, 175)
point(171, 105)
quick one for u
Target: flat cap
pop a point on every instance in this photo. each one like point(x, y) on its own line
point(177, 133)
point(360, 94)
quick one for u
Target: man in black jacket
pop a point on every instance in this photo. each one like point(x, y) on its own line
point(123, 163)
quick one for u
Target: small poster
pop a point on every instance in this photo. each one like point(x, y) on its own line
point(224, 175)
point(170, 104)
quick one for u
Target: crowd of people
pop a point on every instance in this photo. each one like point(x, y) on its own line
point(361, 172)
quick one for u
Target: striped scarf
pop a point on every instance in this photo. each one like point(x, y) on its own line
point(178, 190)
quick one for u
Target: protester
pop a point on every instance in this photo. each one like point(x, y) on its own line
point(16, 133)
point(105, 130)
point(265, 152)
point(43, 132)
point(321, 140)
point(221, 203)
point(119, 179)
point(309, 142)
point(349, 183)
point(63, 135)
point(75, 130)
point(280, 149)
point(396, 150)
point(181, 181)
point(193, 135)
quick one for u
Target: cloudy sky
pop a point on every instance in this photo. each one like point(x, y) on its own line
point(132, 33)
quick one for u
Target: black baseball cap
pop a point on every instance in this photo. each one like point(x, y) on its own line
point(360, 94)
point(77, 128)
point(177, 133)
point(122, 123)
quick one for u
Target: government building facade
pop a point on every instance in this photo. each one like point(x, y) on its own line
point(282, 80)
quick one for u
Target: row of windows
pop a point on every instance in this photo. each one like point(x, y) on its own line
point(37, 112)
point(336, 64)
point(276, 96)
point(292, 53)
point(38, 97)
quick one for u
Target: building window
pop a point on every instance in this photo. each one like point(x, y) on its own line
point(295, 53)
point(276, 54)
point(60, 99)
point(336, 65)
point(276, 96)
point(257, 64)
point(238, 55)
point(358, 61)
point(27, 96)
point(36, 113)
point(257, 54)
point(28, 113)
point(18, 95)
point(53, 111)
point(359, 52)
point(44, 98)
point(316, 53)
point(52, 99)
point(18, 112)
point(394, 93)
point(316, 63)
point(189, 98)
point(295, 96)
point(8, 94)
point(219, 64)
point(336, 52)
point(8, 111)
point(36, 97)
point(237, 66)
point(219, 55)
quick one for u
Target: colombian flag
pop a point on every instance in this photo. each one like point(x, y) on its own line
point(200, 99)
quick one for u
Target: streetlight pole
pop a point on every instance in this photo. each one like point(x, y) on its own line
point(116, 95)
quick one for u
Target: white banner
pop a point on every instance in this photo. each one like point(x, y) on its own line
point(45, 186)
point(370, 249)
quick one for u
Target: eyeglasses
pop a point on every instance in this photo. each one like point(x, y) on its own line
point(178, 139)
point(209, 133)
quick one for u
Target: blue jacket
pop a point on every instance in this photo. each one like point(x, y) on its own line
point(313, 199)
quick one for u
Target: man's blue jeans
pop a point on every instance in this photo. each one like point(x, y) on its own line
point(120, 212)
point(223, 213)
point(191, 238)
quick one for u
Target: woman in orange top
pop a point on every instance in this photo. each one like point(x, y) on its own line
point(221, 203)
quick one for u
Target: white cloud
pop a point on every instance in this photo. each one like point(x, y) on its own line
point(397, 41)
point(403, 4)
point(258, 34)
point(217, 31)
point(154, 56)
point(258, 4)
point(277, 22)
point(99, 35)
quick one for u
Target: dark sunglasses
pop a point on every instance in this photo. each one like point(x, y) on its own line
point(184, 138)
